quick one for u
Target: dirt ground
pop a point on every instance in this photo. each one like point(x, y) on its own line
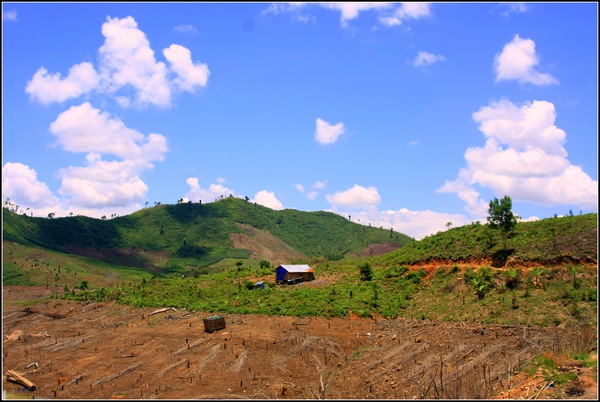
point(74, 350)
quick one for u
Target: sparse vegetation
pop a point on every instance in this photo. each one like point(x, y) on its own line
point(548, 241)
point(381, 286)
point(549, 279)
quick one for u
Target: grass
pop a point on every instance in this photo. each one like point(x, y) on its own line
point(446, 295)
point(534, 293)
point(551, 240)
point(549, 366)
point(22, 265)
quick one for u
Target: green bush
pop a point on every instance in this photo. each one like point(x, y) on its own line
point(366, 273)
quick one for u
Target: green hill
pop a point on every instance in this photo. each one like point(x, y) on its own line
point(570, 239)
point(178, 238)
point(551, 280)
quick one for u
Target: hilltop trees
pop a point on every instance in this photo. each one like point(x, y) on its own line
point(501, 217)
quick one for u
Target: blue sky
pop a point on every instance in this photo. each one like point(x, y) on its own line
point(396, 115)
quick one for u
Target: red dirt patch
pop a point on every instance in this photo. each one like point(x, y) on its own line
point(375, 249)
point(263, 245)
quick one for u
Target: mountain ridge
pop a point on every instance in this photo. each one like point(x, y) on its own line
point(198, 235)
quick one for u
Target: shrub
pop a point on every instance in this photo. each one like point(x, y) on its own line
point(366, 273)
point(512, 279)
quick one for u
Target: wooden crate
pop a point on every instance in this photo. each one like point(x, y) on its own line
point(214, 323)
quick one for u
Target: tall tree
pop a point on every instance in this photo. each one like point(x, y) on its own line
point(502, 217)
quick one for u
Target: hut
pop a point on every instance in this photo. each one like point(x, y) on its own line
point(294, 273)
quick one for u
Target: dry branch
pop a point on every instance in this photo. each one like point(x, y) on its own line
point(172, 366)
point(162, 310)
point(13, 376)
point(120, 373)
point(76, 379)
point(190, 346)
point(188, 313)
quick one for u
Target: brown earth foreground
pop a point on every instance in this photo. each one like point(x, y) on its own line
point(74, 350)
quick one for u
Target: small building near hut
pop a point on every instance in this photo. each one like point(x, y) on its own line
point(294, 273)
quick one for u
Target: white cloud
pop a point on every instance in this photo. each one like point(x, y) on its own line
point(518, 61)
point(99, 184)
point(104, 183)
point(126, 67)
point(474, 205)
point(47, 88)
point(326, 133)
point(318, 185)
point(214, 191)
point(409, 10)
point(523, 157)
point(313, 190)
point(416, 224)
point(86, 129)
point(185, 29)
point(20, 183)
point(280, 8)
point(268, 199)
point(351, 10)
point(189, 75)
point(126, 59)
point(10, 15)
point(507, 9)
point(390, 13)
point(425, 59)
point(355, 197)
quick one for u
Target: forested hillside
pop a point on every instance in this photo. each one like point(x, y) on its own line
point(177, 237)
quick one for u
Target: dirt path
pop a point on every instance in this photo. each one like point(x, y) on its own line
point(71, 350)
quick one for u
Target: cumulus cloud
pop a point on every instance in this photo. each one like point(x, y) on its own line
point(126, 59)
point(518, 61)
point(189, 75)
point(126, 64)
point(425, 59)
point(268, 199)
point(326, 133)
point(523, 157)
point(84, 128)
point(103, 183)
point(355, 197)
point(47, 88)
point(214, 191)
point(416, 224)
point(20, 183)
